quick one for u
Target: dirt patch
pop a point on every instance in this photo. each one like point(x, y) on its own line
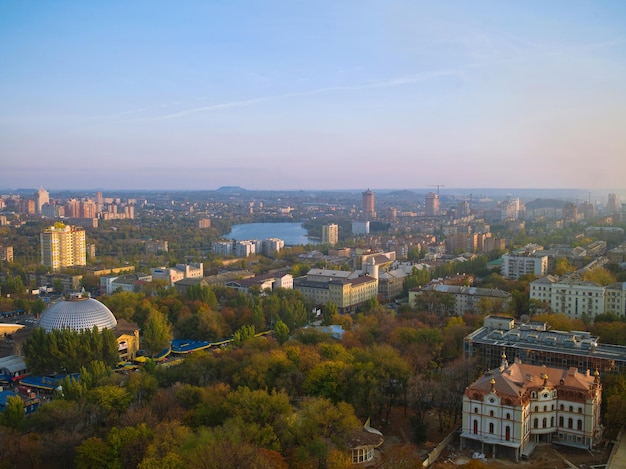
point(545, 456)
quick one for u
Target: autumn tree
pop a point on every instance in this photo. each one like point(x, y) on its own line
point(243, 335)
point(599, 275)
point(281, 332)
point(563, 267)
point(13, 413)
point(157, 333)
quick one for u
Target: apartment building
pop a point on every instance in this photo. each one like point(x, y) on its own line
point(515, 266)
point(272, 246)
point(330, 234)
point(63, 246)
point(347, 290)
point(6, 253)
point(466, 299)
point(577, 298)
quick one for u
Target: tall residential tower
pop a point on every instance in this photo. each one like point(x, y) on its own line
point(330, 234)
point(63, 246)
point(368, 204)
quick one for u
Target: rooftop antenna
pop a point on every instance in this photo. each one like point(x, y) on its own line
point(437, 186)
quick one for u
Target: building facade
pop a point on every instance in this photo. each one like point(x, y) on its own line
point(6, 253)
point(369, 209)
point(63, 246)
point(515, 266)
point(534, 344)
point(510, 409)
point(347, 290)
point(330, 234)
point(575, 298)
point(466, 299)
point(272, 246)
point(360, 227)
point(432, 204)
point(42, 197)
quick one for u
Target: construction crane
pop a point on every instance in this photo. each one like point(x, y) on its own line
point(437, 186)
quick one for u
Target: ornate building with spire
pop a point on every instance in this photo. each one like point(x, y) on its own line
point(510, 409)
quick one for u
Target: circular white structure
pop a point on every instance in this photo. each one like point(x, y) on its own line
point(77, 314)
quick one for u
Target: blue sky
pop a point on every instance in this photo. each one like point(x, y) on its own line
point(312, 95)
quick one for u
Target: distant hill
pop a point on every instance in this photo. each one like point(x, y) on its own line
point(545, 203)
point(231, 189)
point(403, 195)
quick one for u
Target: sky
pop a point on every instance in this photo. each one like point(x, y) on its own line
point(294, 94)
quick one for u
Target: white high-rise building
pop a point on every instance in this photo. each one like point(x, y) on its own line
point(63, 246)
point(42, 197)
point(330, 234)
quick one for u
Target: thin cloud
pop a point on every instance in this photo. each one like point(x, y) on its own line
point(401, 81)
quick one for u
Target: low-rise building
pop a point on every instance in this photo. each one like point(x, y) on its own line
point(129, 282)
point(181, 271)
point(347, 290)
point(466, 299)
point(268, 281)
point(510, 409)
point(533, 343)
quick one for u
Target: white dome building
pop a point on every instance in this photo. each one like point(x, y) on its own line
point(77, 313)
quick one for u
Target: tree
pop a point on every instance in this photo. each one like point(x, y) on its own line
point(202, 293)
point(563, 267)
point(281, 331)
point(57, 284)
point(328, 380)
point(157, 333)
point(599, 275)
point(243, 335)
point(13, 413)
point(93, 452)
point(329, 313)
point(319, 418)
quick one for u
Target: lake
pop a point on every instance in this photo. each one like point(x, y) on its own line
point(292, 233)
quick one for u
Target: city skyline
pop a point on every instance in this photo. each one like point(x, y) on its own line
point(329, 95)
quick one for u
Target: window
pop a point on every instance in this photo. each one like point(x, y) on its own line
point(580, 410)
point(571, 408)
point(561, 421)
point(508, 416)
point(536, 408)
point(580, 425)
point(475, 410)
point(491, 413)
point(545, 422)
point(570, 423)
point(552, 421)
point(475, 427)
point(562, 407)
point(545, 408)
point(536, 423)
point(507, 435)
point(491, 427)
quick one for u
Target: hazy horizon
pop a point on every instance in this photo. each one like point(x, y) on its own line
point(152, 95)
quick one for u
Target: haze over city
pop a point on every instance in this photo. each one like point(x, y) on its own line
point(312, 95)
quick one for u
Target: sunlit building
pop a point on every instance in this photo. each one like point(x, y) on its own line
point(330, 234)
point(510, 409)
point(42, 197)
point(63, 246)
point(369, 209)
point(347, 290)
point(432, 204)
